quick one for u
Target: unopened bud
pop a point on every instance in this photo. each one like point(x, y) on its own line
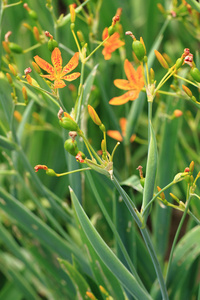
point(25, 95)
point(187, 90)
point(152, 75)
point(161, 8)
point(177, 113)
point(91, 295)
point(9, 78)
point(162, 195)
point(93, 115)
point(36, 67)
point(36, 34)
point(72, 12)
point(161, 59)
point(191, 166)
point(12, 70)
point(174, 197)
point(6, 47)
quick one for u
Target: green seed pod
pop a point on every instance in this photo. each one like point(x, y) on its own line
point(138, 49)
point(195, 73)
point(33, 14)
point(68, 124)
point(142, 180)
point(50, 172)
point(52, 44)
point(15, 48)
point(179, 63)
point(71, 147)
point(111, 30)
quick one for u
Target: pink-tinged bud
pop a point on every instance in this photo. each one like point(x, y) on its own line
point(72, 12)
point(139, 168)
point(187, 170)
point(187, 90)
point(189, 59)
point(177, 113)
point(80, 157)
point(36, 34)
point(191, 166)
point(186, 52)
point(40, 167)
point(131, 35)
point(48, 35)
point(161, 59)
point(60, 112)
point(12, 70)
point(9, 78)
point(93, 115)
point(27, 71)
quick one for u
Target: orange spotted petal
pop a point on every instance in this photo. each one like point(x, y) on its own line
point(72, 64)
point(72, 76)
point(124, 84)
point(105, 34)
point(56, 59)
point(50, 77)
point(58, 84)
point(130, 72)
point(106, 54)
point(43, 64)
point(115, 135)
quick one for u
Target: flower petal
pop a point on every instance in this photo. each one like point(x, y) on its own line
point(50, 77)
point(43, 64)
point(58, 84)
point(123, 84)
point(56, 59)
point(122, 123)
point(72, 64)
point(130, 72)
point(72, 76)
point(115, 135)
point(106, 54)
point(131, 95)
point(105, 33)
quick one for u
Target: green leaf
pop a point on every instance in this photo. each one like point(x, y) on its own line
point(80, 283)
point(108, 257)
point(194, 4)
point(10, 292)
point(151, 169)
point(133, 182)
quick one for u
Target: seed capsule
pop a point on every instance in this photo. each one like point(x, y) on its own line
point(68, 124)
point(195, 73)
point(71, 147)
point(15, 48)
point(138, 49)
point(52, 44)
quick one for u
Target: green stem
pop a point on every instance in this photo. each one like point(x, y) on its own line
point(32, 48)
point(86, 59)
point(176, 239)
point(71, 172)
point(135, 214)
point(80, 95)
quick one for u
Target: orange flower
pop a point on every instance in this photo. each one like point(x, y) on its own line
point(111, 44)
point(134, 84)
point(56, 72)
point(115, 134)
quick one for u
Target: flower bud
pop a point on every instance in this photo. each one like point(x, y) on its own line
point(52, 44)
point(195, 73)
point(174, 197)
point(191, 166)
point(6, 47)
point(187, 90)
point(9, 78)
point(68, 124)
point(93, 115)
point(36, 67)
point(15, 48)
point(36, 34)
point(177, 113)
point(179, 63)
point(161, 59)
point(71, 147)
point(25, 95)
point(138, 49)
point(12, 70)
point(72, 12)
